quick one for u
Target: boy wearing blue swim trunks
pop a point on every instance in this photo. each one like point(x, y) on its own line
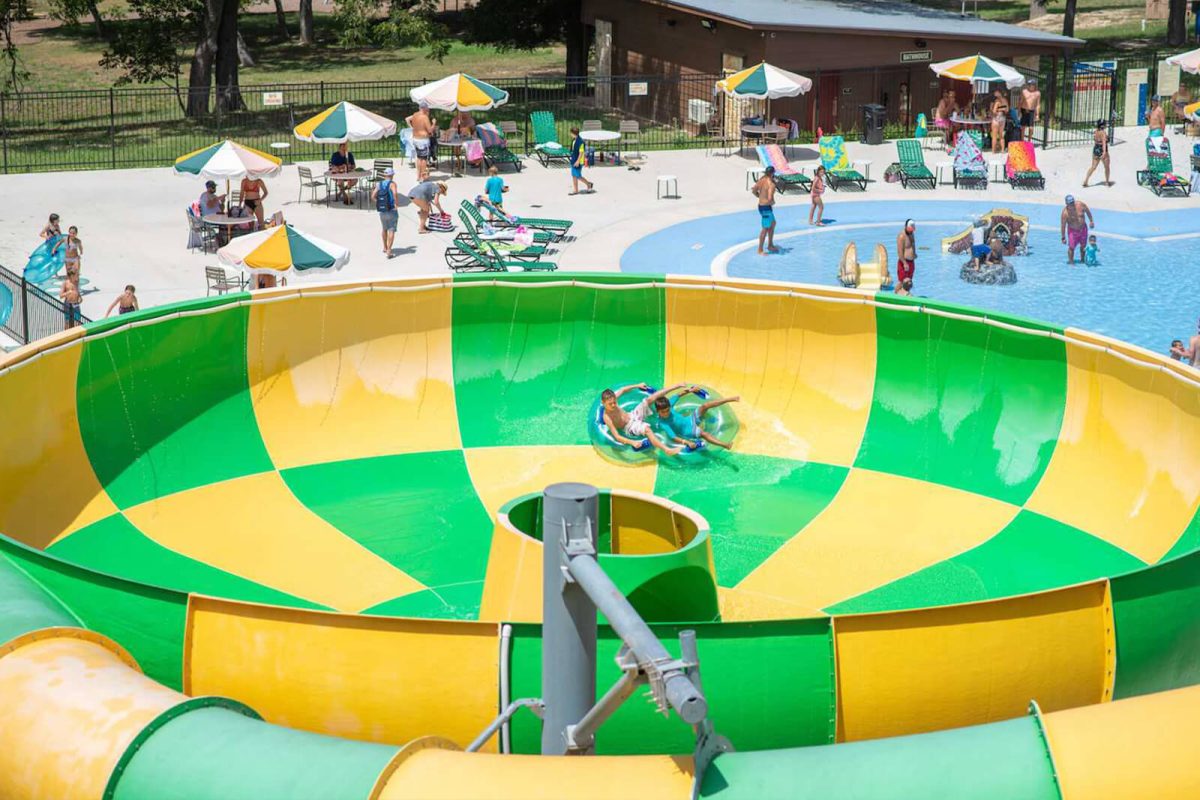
point(764, 190)
point(688, 430)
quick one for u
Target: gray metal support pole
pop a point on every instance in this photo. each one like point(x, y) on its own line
point(570, 517)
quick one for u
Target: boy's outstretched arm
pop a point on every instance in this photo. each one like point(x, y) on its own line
point(665, 392)
point(630, 388)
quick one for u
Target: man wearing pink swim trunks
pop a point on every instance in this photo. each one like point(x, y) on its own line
point(1076, 217)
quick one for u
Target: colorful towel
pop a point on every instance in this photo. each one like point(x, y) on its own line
point(833, 153)
point(490, 135)
point(922, 130)
point(769, 155)
point(473, 151)
point(967, 156)
point(1021, 158)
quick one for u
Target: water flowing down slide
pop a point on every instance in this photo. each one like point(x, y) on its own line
point(286, 545)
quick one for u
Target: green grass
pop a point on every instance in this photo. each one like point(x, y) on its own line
point(67, 57)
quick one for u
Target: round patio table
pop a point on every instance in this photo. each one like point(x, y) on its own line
point(601, 139)
point(351, 177)
point(228, 222)
point(750, 132)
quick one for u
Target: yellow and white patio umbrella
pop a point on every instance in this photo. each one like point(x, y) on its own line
point(1192, 111)
point(978, 69)
point(1188, 62)
point(283, 251)
point(228, 160)
point(764, 82)
point(344, 122)
point(459, 92)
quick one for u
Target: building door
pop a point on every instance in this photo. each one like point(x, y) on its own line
point(829, 93)
point(604, 59)
point(733, 109)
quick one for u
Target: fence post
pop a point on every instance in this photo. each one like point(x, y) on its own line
point(528, 104)
point(322, 94)
point(1052, 104)
point(24, 310)
point(4, 130)
point(112, 125)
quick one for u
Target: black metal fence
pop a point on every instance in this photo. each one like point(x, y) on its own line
point(32, 312)
point(140, 127)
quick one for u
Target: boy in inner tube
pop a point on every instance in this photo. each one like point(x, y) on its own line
point(623, 425)
point(689, 430)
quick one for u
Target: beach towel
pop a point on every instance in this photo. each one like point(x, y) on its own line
point(769, 155)
point(473, 151)
point(921, 131)
point(406, 145)
point(490, 135)
point(833, 153)
point(1020, 159)
point(967, 156)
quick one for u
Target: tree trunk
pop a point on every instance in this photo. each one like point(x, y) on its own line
point(281, 21)
point(1037, 8)
point(200, 74)
point(1177, 23)
point(97, 20)
point(306, 22)
point(229, 93)
point(1069, 18)
point(575, 34)
point(245, 59)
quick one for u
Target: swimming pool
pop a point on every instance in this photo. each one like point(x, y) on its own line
point(1144, 290)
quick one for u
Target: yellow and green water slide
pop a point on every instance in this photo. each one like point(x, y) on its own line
point(285, 545)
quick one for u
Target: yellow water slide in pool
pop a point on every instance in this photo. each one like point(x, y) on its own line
point(868, 276)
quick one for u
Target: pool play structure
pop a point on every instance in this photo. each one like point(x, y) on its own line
point(286, 545)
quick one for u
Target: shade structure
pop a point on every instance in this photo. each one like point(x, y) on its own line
point(764, 82)
point(283, 251)
point(459, 92)
point(344, 122)
point(1188, 62)
point(228, 160)
point(980, 69)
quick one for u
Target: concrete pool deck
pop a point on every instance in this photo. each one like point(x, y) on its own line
point(133, 230)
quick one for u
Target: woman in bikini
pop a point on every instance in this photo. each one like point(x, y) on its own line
point(999, 119)
point(126, 302)
point(1099, 152)
point(73, 254)
point(254, 191)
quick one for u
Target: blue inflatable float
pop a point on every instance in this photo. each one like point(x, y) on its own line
point(44, 263)
point(721, 422)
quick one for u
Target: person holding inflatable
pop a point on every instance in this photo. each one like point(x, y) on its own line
point(630, 427)
point(688, 431)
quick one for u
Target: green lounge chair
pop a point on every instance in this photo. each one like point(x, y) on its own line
point(489, 260)
point(1159, 176)
point(495, 146)
point(545, 139)
point(786, 176)
point(837, 165)
point(457, 258)
point(552, 229)
point(912, 165)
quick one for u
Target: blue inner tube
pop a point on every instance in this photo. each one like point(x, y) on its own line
point(721, 422)
point(42, 265)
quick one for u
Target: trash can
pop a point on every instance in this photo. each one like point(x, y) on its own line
point(873, 118)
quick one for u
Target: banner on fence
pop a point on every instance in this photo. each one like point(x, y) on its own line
point(1091, 91)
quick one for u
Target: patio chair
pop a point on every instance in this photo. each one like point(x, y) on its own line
point(591, 125)
point(308, 182)
point(930, 138)
point(1159, 175)
point(235, 198)
point(786, 176)
point(200, 236)
point(554, 229)
point(970, 170)
point(510, 130)
point(1021, 169)
point(488, 260)
point(218, 281)
point(912, 165)
point(545, 139)
point(457, 258)
point(381, 165)
point(495, 146)
point(837, 164)
point(631, 134)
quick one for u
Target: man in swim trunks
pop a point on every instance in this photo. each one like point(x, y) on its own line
point(1190, 354)
point(906, 252)
point(764, 190)
point(1030, 106)
point(422, 130)
point(1076, 217)
point(688, 430)
point(1157, 118)
point(624, 424)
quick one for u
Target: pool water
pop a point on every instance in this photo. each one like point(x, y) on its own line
point(1143, 292)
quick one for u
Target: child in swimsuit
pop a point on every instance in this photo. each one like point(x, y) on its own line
point(630, 427)
point(689, 430)
point(68, 293)
point(126, 302)
point(1091, 253)
point(74, 252)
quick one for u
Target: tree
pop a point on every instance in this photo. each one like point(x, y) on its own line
point(1177, 23)
point(1037, 8)
point(306, 22)
point(526, 24)
point(70, 11)
point(1069, 18)
point(281, 19)
point(14, 72)
point(392, 23)
point(146, 50)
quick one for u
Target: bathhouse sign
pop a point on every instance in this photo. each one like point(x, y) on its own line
point(911, 56)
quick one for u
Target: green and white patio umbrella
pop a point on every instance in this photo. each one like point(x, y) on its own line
point(978, 69)
point(344, 122)
point(283, 251)
point(228, 160)
point(764, 82)
point(1188, 62)
point(459, 92)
